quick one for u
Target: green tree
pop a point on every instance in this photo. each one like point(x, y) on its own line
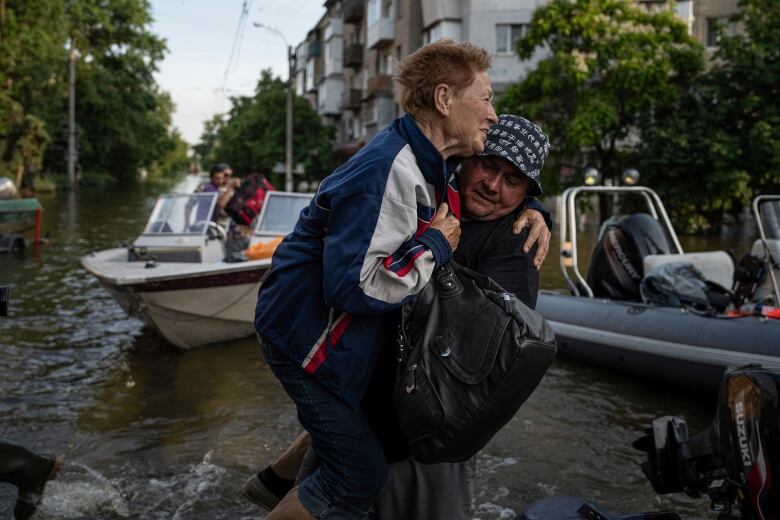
point(744, 88)
point(175, 160)
point(253, 136)
point(719, 146)
point(123, 119)
point(31, 80)
point(208, 140)
point(611, 66)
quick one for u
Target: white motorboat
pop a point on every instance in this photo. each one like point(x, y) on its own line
point(175, 278)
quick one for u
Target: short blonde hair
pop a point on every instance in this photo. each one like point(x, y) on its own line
point(443, 61)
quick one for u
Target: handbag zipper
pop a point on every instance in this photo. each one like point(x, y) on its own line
point(410, 386)
point(507, 303)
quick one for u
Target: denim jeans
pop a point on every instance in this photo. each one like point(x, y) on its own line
point(353, 468)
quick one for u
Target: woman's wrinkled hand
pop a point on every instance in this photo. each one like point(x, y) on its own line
point(448, 225)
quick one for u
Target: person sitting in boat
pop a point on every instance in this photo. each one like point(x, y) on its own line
point(494, 190)
point(220, 181)
point(369, 241)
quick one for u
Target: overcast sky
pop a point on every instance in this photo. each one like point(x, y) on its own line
point(200, 36)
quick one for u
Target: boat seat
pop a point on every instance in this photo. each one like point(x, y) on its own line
point(716, 266)
point(772, 243)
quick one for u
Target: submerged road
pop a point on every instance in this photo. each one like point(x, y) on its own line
point(150, 432)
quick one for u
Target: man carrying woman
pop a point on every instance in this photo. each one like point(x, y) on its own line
point(370, 240)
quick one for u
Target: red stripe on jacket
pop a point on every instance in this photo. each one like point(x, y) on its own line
point(332, 339)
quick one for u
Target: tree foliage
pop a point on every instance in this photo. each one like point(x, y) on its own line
point(720, 145)
point(123, 120)
point(31, 75)
point(744, 88)
point(627, 87)
point(612, 64)
point(208, 140)
point(252, 137)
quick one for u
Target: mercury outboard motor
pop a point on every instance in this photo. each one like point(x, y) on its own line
point(735, 461)
point(616, 269)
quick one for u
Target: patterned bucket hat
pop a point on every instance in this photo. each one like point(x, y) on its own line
point(522, 143)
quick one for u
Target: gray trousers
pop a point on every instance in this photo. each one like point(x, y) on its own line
point(415, 491)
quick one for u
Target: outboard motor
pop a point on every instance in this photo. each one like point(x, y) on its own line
point(735, 460)
point(616, 269)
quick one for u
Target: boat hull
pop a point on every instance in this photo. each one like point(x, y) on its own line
point(662, 343)
point(188, 305)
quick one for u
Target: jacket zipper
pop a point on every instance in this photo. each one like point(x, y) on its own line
point(331, 314)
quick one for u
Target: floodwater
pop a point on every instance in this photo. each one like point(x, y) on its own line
point(151, 432)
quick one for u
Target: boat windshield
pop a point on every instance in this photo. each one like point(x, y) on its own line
point(181, 214)
point(280, 212)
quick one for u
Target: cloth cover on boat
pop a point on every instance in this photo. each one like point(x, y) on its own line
point(715, 266)
point(681, 284)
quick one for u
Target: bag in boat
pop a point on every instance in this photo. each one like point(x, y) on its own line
point(470, 354)
point(680, 284)
point(248, 200)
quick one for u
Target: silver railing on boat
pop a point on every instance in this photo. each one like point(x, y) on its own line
point(568, 228)
point(773, 263)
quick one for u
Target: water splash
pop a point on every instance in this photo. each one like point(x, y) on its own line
point(83, 492)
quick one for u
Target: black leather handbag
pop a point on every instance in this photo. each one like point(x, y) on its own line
point(470, 354)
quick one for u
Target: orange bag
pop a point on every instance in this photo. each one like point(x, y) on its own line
point(263, 249)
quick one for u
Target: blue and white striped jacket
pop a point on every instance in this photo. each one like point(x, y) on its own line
point(359, 250)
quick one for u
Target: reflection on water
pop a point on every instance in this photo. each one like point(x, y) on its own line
point(151, 432)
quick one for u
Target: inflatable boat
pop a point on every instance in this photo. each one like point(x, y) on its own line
point(606, 319)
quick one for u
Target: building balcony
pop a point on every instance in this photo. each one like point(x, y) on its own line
point(353, 56)
point(350, 99)
point(380, 33)
point(335, 27)
point(329, 96)
point(315, 49)
point(353, 11)
point(379, 84)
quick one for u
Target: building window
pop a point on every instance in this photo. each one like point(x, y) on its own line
point(378, 9)
point(355, 128)
point(387, 8)
point(309, 75)
point(717, 27)
point(507, 36)
point(387, 64)
point(370, 111)
point(432, 34)
point(374, 11)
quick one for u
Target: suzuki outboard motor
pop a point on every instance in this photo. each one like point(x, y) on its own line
point(736, 461)
point(616, 269)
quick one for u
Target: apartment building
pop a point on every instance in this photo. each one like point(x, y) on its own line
point(346, 63)
point(494, 25)
point(350, 131)
point(331, 84)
